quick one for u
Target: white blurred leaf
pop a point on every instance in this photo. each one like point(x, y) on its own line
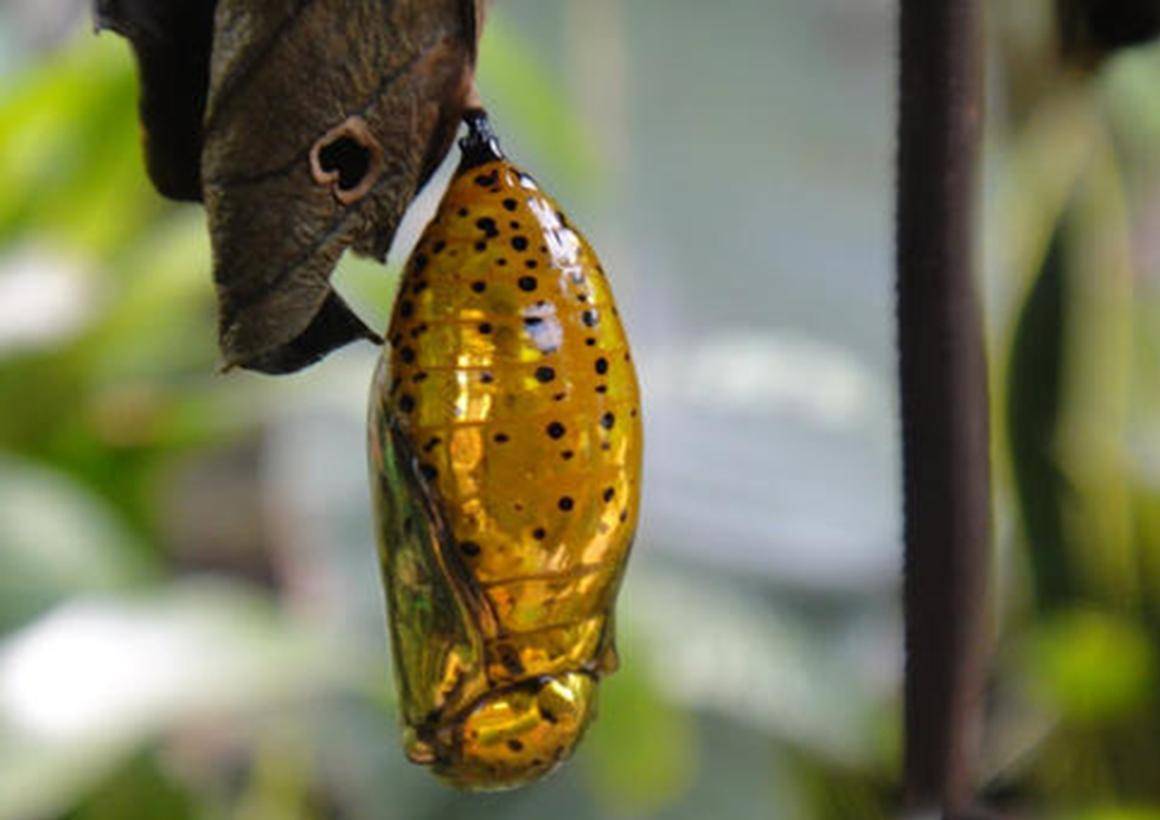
point(725, 650)
point(88, 683)
point(56, 538)
point(45, 296)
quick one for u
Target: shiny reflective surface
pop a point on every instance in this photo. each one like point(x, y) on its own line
point(505, 447)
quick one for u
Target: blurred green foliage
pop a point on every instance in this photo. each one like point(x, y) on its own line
point(1073, 284)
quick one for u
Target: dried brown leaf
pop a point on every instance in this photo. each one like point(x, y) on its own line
point(325, 117)
point(171, 40)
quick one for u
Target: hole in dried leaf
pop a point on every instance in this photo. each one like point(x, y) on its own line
point(348, 159)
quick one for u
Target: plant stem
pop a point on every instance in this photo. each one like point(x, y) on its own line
point(943, 383)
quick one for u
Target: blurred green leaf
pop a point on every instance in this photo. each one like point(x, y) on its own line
point(1091, 666)
point(279, 784)
point(640, 760)
point(838, 793)
point(159, 319)
point(1117, 814)
point(70, 149)
point(140, 788)
point(525, 97)
point(368, 286)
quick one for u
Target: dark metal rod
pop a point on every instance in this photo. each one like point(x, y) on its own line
point(943, 383)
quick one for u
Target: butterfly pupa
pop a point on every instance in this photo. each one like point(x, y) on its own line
point(505, 452)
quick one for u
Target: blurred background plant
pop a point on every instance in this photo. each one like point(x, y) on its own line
point(191, 623)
